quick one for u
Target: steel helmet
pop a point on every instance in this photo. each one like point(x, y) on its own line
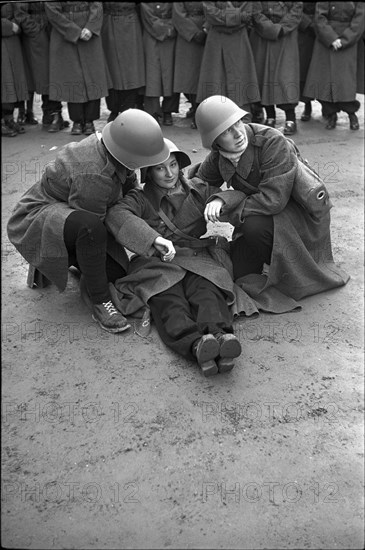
point(214, 115)
point(182, 158)
point(135, 139)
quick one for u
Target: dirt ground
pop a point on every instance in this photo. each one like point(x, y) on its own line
point(113, 441)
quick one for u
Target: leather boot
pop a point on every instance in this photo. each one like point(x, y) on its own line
point(30, 118)
point(56, 124)
point(21, 117)
point(331, 121)
point(354, 122)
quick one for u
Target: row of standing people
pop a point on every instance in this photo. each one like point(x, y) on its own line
point(134, 54)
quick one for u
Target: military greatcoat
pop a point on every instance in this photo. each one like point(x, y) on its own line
point(188, 19)
point(332, 75)
point(82, 177)
point(301, 262)
point(13, 76)
point(123, 45)
point(31, 16)
point(77, 68)
point(274, 40)
point(228, 66)
point(159, 39)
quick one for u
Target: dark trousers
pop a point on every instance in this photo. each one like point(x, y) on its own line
point(85, 238)
point(189, 309)
point(84, 112)
point(120, 100)
point(330, 108)
point(170, 104)
point(7, 111)
point(251, 250)
point(289, 109)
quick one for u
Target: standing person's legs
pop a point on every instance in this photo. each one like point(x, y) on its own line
point(350, 107)
point(170, 104)
point(329, 112)
point(91, 113)
point(85, 238)
point(119, 101)
point(76, 114)
point(10, 128)
point(290, 127)
point(52, 119)
point(270, 116)
point(152, 106)
point(251, 250)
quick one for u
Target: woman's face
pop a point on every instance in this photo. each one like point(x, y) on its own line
point(165, 175)
point(234, 138)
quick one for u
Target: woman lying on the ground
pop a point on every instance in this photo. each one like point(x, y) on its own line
point(186, 281)
point(270, 226)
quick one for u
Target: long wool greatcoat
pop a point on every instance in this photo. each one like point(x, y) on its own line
point(135, 224)
point(82, 177)
point(159, 39)
point(277, 58)
point(332, 75)
point(306, 38)
point(13, 76)
point(228, 66)
point(121, 35)
point(31, 16)
point(301, 262)
point(188, 19)
point(77, 68)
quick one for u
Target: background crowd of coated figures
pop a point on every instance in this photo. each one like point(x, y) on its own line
point(262, 55)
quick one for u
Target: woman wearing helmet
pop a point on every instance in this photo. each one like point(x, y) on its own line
point(58, 222)
point(185, 281)
point(260, 164)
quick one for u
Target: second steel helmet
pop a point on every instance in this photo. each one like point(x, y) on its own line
point(214, 115)
point(135, 140)
point(182, 158)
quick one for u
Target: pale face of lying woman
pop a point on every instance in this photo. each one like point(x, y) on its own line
point(166, 175)
point(234, 139)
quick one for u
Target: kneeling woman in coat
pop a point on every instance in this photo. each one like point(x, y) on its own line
point(271, 227)
point(185, 280)
point(59, 221)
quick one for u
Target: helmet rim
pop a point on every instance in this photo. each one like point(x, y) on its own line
point(133, 160)
point(209, 136)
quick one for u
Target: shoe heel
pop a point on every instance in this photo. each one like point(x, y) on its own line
point(225, 364)
point(209, 368)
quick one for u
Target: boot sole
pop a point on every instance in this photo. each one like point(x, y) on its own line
point(112, 330)
point(208, 349)
point(209, 368)
point(230, 349)
point(225, 364)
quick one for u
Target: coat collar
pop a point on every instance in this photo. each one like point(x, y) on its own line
point(227, 169)
point(112, 166)
point(155, 194)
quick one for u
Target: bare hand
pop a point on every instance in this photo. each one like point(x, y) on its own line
point(16, 28)
point(213, 209)
point(337, 44)
point(85, 34)
point(165, 248)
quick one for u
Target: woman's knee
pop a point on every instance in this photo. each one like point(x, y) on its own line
point(80, 224)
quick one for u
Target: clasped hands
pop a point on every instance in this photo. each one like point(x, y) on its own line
point(85, 34)
point(336, 44)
